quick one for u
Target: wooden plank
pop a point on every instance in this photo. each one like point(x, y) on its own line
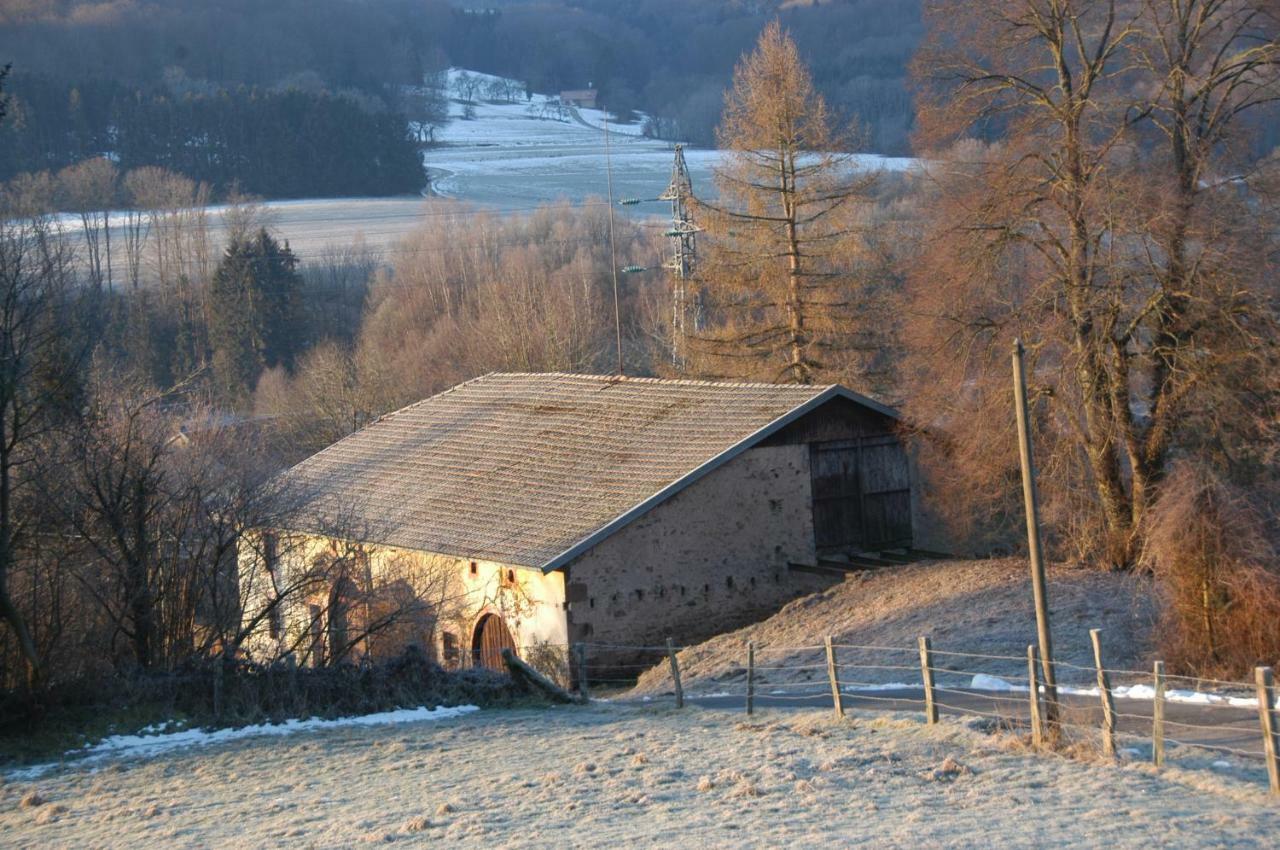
point(926, 675)
point(928, 554)
point(1104, 689)
point(1033, 687)
point(751, 676)
point(859, 562)
point(1157, 715)
point(531, 678)
point(675, 673)
point(1267, 714)
point(819, 570)
point(833, 673)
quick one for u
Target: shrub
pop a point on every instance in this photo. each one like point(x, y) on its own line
point(1211, 551)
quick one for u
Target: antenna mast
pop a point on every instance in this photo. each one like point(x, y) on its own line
point(683, 254)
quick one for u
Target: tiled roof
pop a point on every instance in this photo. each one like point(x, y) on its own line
point(524, 468)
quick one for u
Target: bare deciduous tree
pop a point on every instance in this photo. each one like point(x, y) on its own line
point(1122, 262)
point(38, 359)
point(90, 189)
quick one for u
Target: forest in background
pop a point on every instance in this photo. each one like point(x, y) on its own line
point(224, 92)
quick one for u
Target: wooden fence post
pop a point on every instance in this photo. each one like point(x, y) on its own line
point(1104, 687)
point(1270, 734)
point(675, 673)
point(1157, 715)
point(1033, 680)
point(926, 674)
point(833, 673)
point(751, 676)
point(580, 652)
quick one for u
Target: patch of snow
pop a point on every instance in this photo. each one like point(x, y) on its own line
point(887, 686)
point(146, 745)
point(983, 682)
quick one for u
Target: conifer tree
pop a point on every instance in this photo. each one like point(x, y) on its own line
point(782, 280)
point(254, 313)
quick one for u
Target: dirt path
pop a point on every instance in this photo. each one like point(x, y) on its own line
point(625, 776)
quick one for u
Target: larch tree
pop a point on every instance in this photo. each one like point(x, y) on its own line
point(1108, 227)
point(781, 276)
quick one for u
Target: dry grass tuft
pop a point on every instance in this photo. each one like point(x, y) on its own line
point(948, 771)
point(639, 759)
point(447, 808)
point(745, 788)
point(583, 768)
point(705, 783)
point(49, 814)
point(31, 799)
point(418, 824)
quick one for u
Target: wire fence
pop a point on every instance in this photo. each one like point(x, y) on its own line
point(1114, 711)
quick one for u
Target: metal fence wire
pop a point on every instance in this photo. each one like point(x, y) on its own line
point(1116, 711)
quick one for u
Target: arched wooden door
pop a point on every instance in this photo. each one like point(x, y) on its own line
point(491, 637)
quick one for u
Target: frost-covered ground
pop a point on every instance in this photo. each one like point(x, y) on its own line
point(626, 776)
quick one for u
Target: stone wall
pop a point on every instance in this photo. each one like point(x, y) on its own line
point(454, 593)
point(712, 558)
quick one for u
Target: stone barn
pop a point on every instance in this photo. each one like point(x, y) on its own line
point(538, 510)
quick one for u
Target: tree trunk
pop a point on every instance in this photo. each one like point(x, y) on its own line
point(8, 611)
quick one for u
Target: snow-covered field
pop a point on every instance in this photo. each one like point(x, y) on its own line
point(509, 157)
point(515, 155)
point(626, 776)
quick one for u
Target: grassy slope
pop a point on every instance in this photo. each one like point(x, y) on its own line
point(972, 606)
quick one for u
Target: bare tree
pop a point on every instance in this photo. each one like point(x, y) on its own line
point(38, 359)
point(783, 232)
point(1078, 234)
point(90, 189)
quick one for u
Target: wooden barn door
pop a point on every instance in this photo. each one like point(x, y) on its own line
point(861, 494)
point(492, 636)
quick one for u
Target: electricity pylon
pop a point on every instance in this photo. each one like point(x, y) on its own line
point(684, 253)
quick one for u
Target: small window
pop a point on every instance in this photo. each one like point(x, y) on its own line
point(475, 570)
point(591, 602)
point(511, 577)
point(639, 594)
point(728, 582)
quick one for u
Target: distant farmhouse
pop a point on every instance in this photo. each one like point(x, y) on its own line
point(581, 98)
point(556, 508)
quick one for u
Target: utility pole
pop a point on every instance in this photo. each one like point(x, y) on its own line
point(1032, 504)
point(613, 251)
point(683, 253)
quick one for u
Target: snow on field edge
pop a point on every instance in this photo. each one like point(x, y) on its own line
point(146, 746)
point(984, 682)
